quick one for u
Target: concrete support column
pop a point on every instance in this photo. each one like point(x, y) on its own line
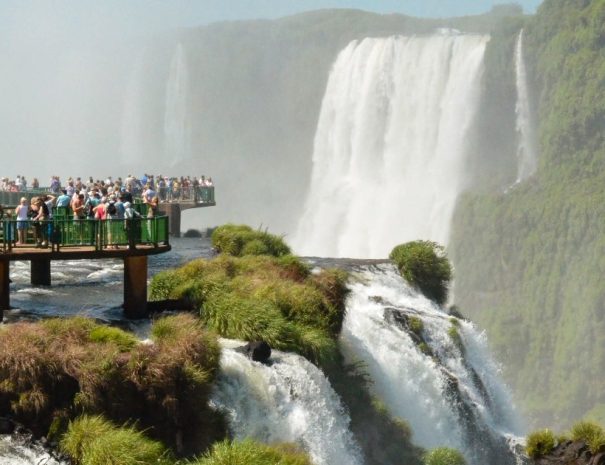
point(4, 287)
point(135, 287)
point(40, 272)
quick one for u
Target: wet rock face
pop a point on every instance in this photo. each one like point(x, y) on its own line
point(259, 351)
point(6, 426)
point(571, 453)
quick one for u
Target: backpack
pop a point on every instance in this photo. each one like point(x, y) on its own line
point(112, 210)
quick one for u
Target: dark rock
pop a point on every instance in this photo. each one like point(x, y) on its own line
point(259, 351)
point(192, 233)
point(6, 426)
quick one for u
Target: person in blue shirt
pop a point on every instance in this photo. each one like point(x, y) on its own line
point(63, 200)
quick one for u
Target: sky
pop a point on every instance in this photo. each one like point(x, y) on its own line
point(94, 16)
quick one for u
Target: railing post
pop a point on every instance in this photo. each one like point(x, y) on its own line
point(4, 287)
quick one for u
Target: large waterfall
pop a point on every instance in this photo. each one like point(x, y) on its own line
point(389, 151)
point(289, 401)
point(429, 368)
point(176, 113)
point(527, 158)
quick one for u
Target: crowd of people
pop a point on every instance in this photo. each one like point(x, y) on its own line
point(169, 189)
point(106, 199)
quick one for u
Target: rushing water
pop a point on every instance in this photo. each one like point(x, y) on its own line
point(450, 393)
point(390, 147)
point(18, 451)
point(289, 400)
point(527, 158)
point(176, 115)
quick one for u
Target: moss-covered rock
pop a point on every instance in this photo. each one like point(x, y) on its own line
point(239, 240)
point(263, 298)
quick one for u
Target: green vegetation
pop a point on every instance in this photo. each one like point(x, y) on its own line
point(540, 443)
point(416, 325)
point(530, 262)
point(591, 433)
point(252, 453)
point(444, 456)
point(92, 440)
point(424, 265)
point(58, 369)
point(274, 299)
point(239, 240)
point(454, 333)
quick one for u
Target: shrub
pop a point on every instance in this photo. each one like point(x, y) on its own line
point(416, 325)
point(424, 265)
point(56, 369)
point(540, 443)
point(252, 453)
point(444, 456)
point(238, 240)
point(273, 299)
point(92, 440)
point(591, 433)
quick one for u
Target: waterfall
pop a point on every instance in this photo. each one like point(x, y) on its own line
point(289, 401)
point(527, 158)
point(131, 146)
point(176, 116)
point(441, 380)
point(20, 451)
point(389, 151)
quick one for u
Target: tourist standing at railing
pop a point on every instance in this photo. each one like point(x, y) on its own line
point(22, 214)
point(64, 199)
point(40, 217)
point(35, 183)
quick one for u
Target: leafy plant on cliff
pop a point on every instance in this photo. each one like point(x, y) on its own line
point(239, 240)
point(591, 433)
point(424, 265)
point(540, 443)
point(444, 456)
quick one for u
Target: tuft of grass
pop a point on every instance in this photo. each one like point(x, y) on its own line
point(239, 240)
point(424, 265)
point(591, 433)
point(444, 456)
point(540, 443)
point(92, 440)
point(416, 325)
point(454, 333)
point(104, 334)
point(249, 452)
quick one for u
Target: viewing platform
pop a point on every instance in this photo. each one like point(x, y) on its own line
point(171, 204)
point(131, 240)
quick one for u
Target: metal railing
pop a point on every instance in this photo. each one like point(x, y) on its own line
point(63, 232)
point(200, 194)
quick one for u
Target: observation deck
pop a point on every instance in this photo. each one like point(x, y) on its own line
point(64, 238)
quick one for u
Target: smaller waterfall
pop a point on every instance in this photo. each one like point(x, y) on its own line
point(289, 401)
point(527, 158)
point(176, 116)
point(16, 452)
point(430, 368)
point(131, 146)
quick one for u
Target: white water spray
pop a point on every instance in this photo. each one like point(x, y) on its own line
point(289, 401)
point(451, 395)
point(527, 158)
point(131, 146)
point(177, 143)
point(15, 452)
point(390, 147)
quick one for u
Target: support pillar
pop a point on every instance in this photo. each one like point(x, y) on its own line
point(135, 287)
point(4, 287)
point(173, 211)
point(40, 272)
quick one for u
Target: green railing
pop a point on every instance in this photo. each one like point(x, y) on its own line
point(100, 234)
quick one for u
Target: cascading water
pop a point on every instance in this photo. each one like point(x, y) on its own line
point(288, 401)
point(527, 158)
point(176, 115)
point(131, 132)
point(14, 451)
point(389, 151)
point(435, 374)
